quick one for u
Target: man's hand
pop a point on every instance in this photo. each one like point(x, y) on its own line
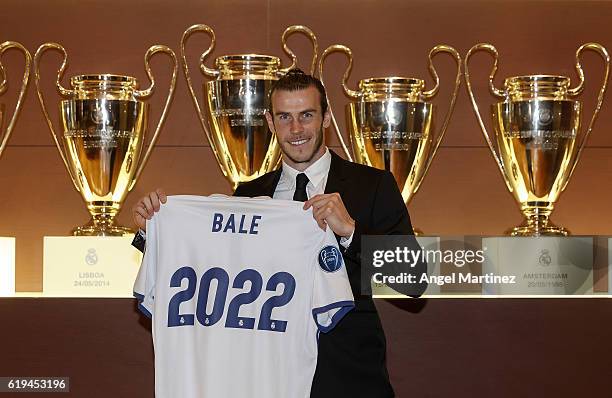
point(328, 209)
point(147, 206)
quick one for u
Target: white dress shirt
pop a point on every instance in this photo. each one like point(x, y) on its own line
point(317, 180)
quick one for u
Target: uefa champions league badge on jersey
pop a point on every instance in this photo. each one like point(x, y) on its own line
point(330, 259)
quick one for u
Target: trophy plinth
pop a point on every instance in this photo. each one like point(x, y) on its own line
point(102, 222)
point(538, 138)
point(102, 226)
point(537, 223)
point(104, 121)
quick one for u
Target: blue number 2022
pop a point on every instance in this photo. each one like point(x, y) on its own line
point(233, 320)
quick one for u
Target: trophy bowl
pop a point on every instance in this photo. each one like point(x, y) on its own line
point(391, 121)
point(237, 99)
point(393, 133)
point(237, 103)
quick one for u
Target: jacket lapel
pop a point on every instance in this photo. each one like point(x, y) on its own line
point(336, 179)
point(337, 175)
point(269, 185)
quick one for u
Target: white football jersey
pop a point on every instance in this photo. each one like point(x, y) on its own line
point(238, 290)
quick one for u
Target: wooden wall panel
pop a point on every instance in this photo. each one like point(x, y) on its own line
point(463, 193)
point(392, 38)
point(107, 37)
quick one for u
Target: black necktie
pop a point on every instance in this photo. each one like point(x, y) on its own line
point(301, 180)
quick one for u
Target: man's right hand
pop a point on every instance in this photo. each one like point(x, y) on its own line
point(147, 206)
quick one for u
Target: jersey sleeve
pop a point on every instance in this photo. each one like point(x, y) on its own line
point(332, 296)
point(144, 286)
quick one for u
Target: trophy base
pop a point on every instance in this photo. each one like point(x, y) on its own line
point(528, 229)
point(537, 221)
point(92, 229)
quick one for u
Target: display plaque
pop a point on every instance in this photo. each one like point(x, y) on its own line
point(89, 266)
point(7, 266)
point(539, 266)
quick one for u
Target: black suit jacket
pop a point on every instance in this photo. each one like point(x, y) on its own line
point(352, 357)
point(351, 360)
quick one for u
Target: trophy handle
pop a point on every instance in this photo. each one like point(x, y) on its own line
point(63, 91)
point(430, 93)
point(315, 47)
point(207, 71)
point(146, 93)
point(4, 137)
point(499, 93)
point(578, 89)
point(350, 93)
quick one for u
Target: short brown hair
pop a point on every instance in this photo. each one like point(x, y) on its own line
point(295, 80)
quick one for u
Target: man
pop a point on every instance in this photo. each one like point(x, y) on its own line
point(351, 199)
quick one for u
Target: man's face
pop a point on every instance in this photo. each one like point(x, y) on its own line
point(298, 124)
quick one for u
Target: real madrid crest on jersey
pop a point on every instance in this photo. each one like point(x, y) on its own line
point(330, 259)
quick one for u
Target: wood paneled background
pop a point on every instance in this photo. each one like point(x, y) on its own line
point(463, 192)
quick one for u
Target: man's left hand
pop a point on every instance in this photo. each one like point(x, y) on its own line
point(328, 209)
